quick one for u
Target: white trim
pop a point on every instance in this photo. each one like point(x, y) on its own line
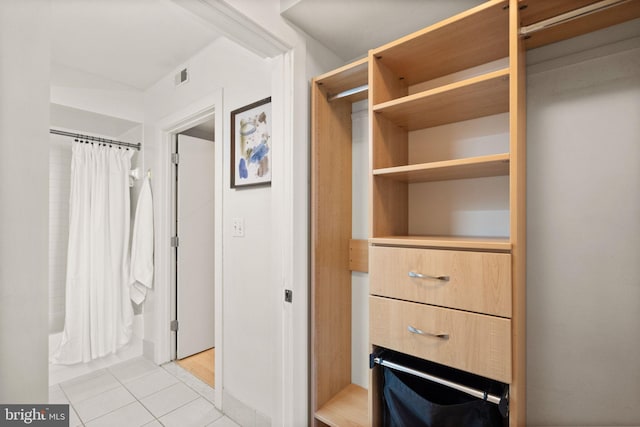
point(291, 225)
point(291, 335)
point(236, 26)
point(280, 219)
point(165, 129)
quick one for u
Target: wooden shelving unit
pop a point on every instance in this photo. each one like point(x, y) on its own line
point(434, 77)
point(487, 33)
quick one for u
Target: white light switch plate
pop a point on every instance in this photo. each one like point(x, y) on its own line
point(238, 227)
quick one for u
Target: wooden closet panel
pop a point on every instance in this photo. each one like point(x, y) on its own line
point(331, 232)
point(518, 208)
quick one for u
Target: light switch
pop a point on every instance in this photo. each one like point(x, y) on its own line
point(238, 227)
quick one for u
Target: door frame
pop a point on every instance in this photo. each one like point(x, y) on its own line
point(166, 131)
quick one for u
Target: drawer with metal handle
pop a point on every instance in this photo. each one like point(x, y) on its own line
point(473, 281)
point(472, 342)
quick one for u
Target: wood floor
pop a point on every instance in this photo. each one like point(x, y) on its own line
point(201, 365)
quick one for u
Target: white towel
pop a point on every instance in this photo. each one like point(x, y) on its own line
point(142, 246)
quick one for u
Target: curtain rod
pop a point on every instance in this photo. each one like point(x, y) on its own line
point(95, 138)
point(348, 92)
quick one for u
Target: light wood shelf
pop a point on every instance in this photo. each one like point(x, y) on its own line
point(347, 409)
point(541, 10)
point(479, 96)
point(476, 36)
point(473, 167)
point(497, 244)
point(345, 78)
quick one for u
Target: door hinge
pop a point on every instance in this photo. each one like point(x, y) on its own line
point(173, 325)
point(175, 241)
point(175, 158)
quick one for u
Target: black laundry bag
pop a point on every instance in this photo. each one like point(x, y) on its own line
point(413, 402)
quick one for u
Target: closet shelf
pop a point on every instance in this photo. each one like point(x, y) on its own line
point(473, 167)
point(540, 11)
point(471, 38)
point(479, 96)
point(348, 408)
point(350, 76)
point(493, 244)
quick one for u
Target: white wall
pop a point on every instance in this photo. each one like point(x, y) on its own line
point(24, 174)
point(248, 321)
point(583, 231)
point(88, 92)
point(281, 356)
point(307, 59)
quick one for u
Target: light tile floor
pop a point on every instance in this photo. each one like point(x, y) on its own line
point(139, 393)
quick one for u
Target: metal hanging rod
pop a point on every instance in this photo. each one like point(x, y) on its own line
point(498, 400)
point(571, 15)
point(348, 92)
point(96, 139)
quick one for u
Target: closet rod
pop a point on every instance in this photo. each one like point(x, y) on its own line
point(95, 138)
point(568, 16)
point(348, 92)
point(468, 390)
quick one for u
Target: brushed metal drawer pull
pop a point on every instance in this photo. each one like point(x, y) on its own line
point(421, 332)
point(415, 275)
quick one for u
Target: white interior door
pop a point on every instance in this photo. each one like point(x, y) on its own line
point(195, 252)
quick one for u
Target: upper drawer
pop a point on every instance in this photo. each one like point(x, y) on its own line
point(471, 342)
point(472, 281)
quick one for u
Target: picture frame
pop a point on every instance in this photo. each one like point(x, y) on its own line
point(251, 144)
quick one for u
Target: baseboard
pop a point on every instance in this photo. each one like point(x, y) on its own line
point(241, 413)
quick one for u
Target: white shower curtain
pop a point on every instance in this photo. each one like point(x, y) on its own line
point(98, 312)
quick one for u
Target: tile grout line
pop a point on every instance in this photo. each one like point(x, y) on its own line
point(114, 410)
point(71, 407)
point(190, 388)
point(191, 376)
point(178, 369)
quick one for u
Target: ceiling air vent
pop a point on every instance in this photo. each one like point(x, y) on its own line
point(181, 77)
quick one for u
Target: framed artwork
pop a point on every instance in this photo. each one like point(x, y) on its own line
point(251, 144)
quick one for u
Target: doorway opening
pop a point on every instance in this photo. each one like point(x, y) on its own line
point(193, 248)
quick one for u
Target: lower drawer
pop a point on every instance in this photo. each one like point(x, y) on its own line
point(471, 342)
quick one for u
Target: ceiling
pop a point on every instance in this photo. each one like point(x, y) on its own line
point(137, 42)
point(132, 42)
point(351, 27)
